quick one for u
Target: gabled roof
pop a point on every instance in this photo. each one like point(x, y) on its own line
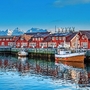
point(18, 37)
point(6, 36)
point(68, 38)
point(87, 33)
point(47, 39)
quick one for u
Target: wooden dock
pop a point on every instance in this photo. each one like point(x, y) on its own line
point(5, 49)
point(47, 53)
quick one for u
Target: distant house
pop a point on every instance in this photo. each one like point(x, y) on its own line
point(84, 39)
point(37, 39)
point(7, 41)
point(72, 40)
point(21, 41)
point(59, 39)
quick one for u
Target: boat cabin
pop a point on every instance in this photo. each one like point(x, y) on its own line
point(63, 51)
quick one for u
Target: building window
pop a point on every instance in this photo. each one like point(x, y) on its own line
point(41, 38)
point(10, 43)
point(84, 44)
point(10, 39)
point(32, 44)
point(21, 39)
point(49, 44)
point(2, 43)
point(3, 39)
point(33, 39)
point(7, 39)
point(24, 44)
point(59, 38)
point(52, 38)
point(18, 44)
point(36, 38)
point(56, 38)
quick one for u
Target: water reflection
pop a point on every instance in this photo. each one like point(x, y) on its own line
point(77, 73)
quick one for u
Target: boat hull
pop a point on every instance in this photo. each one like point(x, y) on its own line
point(20, 55)
point(79, 58)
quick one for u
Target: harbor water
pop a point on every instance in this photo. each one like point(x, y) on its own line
point(22, 73)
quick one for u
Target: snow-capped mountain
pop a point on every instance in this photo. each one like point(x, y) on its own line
point(2, 32)
point(17, 31)
point(32, 30)
point(8, 32)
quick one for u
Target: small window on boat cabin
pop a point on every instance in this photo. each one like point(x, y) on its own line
point(56, 38)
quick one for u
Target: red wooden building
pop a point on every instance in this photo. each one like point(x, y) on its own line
point(79, 39)
point(21, 41)
point(37, 39)
point(7, 41)
point(84, 39)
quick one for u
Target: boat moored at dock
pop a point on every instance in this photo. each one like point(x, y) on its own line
point(67, 55)
point(22, 53)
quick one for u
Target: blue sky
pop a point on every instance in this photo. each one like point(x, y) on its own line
point(45, 14)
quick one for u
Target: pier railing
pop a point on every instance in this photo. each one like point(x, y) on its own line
point(36, 50)
point(42, 50)
point(5, 48)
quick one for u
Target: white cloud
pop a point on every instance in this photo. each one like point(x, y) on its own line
point(60, 3)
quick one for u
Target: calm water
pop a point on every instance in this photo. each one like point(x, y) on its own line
point(33, 74)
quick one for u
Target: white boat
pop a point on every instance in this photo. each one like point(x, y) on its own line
point(66, 55)
point(22, 52)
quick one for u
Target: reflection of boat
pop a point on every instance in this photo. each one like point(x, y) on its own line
point(67, 55)
point(22, 53)
point(22, 58)
point(75, 64)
